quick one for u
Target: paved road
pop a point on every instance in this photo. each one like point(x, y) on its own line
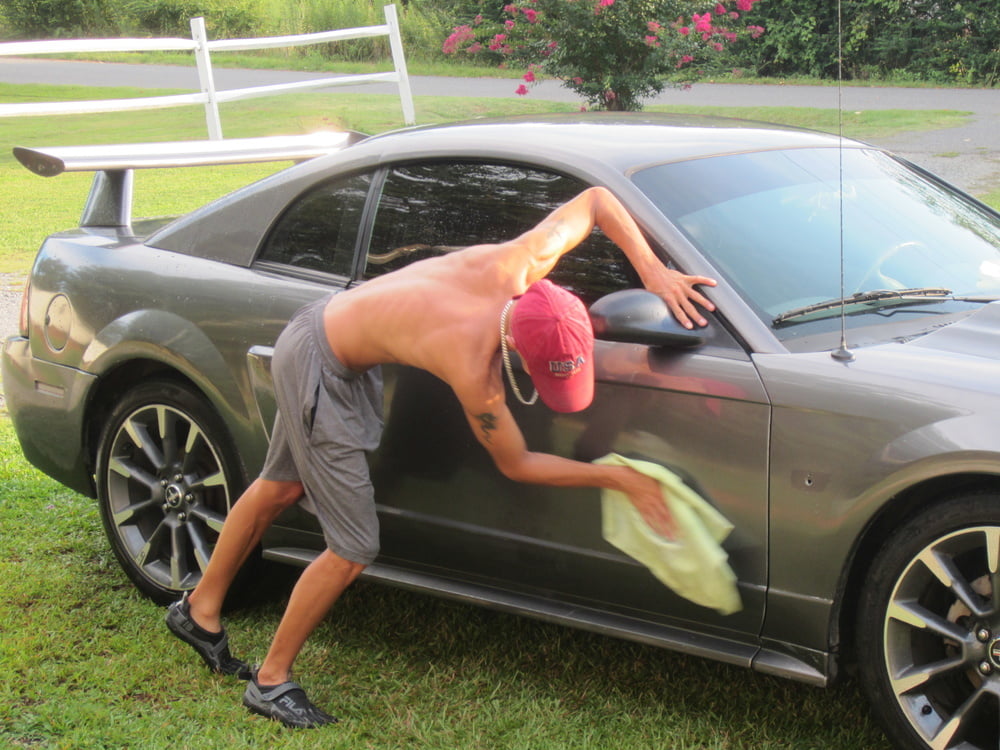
point(968, 156)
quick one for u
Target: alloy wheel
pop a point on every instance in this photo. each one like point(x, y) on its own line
point(941, 640)
point(167, 495)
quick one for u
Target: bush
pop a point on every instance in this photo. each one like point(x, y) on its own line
point(224, 19)
point(44, 19)
point(907, 39)
point(613, 53)
point(955, 42)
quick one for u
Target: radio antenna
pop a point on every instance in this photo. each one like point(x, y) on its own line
point(841, 354)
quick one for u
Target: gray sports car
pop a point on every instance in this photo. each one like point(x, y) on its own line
point(840, 409)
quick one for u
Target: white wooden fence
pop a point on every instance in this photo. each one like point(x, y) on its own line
point(209, 96)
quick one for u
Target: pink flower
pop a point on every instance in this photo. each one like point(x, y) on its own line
point(653, 26)
point(529, 76)
point(717, 46)
point(497, 42)
point(702, 23)
point(512, 9)
point(684, 61)
point(744, 4)
point(531, 15)
point(460, 35)
point(720, 9)
point(652, 41)
point(734, 15)
point(477, 20)
point(474, 48)
point(606, 3)
point(578, 81)
point(683, 31)
point(522, 90)
point(508, 24)
point(755, 31)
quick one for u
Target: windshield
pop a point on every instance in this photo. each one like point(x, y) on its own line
point(771, 224)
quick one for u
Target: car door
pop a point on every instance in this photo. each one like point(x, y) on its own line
point(445, 509)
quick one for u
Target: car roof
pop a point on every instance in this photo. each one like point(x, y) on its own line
point(627, 141)
point(597, 147)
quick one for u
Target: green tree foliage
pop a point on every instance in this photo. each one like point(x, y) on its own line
point(223, 18)
point(916, 39)
point(44, 19)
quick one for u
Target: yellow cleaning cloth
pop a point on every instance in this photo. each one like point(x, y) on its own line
point(694, 564)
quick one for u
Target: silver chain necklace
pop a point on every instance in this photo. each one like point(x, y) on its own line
point(506, 359)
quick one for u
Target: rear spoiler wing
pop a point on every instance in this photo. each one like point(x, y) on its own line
point(110, 201)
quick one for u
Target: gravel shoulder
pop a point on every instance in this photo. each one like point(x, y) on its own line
point(11, 285)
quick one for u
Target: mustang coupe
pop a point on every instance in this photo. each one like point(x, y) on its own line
point(841, 409)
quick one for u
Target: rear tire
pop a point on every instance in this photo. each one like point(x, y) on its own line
point(167, 475)
point(929, 628)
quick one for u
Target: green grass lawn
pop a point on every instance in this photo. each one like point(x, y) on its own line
point(88, 663)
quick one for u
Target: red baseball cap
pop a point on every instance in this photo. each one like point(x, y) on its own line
point(555, 339)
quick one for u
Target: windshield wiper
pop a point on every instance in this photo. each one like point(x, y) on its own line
point(874, 298)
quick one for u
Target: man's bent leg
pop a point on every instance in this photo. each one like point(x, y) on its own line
point(258, 507)
point(202, 630)
point(319, 587)
point(271, 692)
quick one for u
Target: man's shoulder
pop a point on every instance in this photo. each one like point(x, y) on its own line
point(476, 381)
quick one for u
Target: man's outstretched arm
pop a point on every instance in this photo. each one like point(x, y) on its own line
point(498, 432)
point(571, 224)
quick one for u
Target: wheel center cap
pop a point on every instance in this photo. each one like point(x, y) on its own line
point(994, 652)
point(173, 495)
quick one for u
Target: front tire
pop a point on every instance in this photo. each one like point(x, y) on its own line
point(167, 475)
point(929, 628)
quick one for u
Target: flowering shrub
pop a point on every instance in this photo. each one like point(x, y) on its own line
point(613, 53)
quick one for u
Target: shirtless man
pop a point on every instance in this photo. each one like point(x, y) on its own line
point(444, 315)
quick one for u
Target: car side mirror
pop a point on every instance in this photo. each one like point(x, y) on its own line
point(635, 316)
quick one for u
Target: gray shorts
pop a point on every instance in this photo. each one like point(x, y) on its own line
point(329, 419)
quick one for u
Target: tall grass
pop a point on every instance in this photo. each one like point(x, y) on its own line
point(423, 26)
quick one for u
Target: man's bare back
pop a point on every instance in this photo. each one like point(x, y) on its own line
point(440, 315)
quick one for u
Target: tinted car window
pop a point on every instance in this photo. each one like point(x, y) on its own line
point(428, 209)
point(319, 230)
